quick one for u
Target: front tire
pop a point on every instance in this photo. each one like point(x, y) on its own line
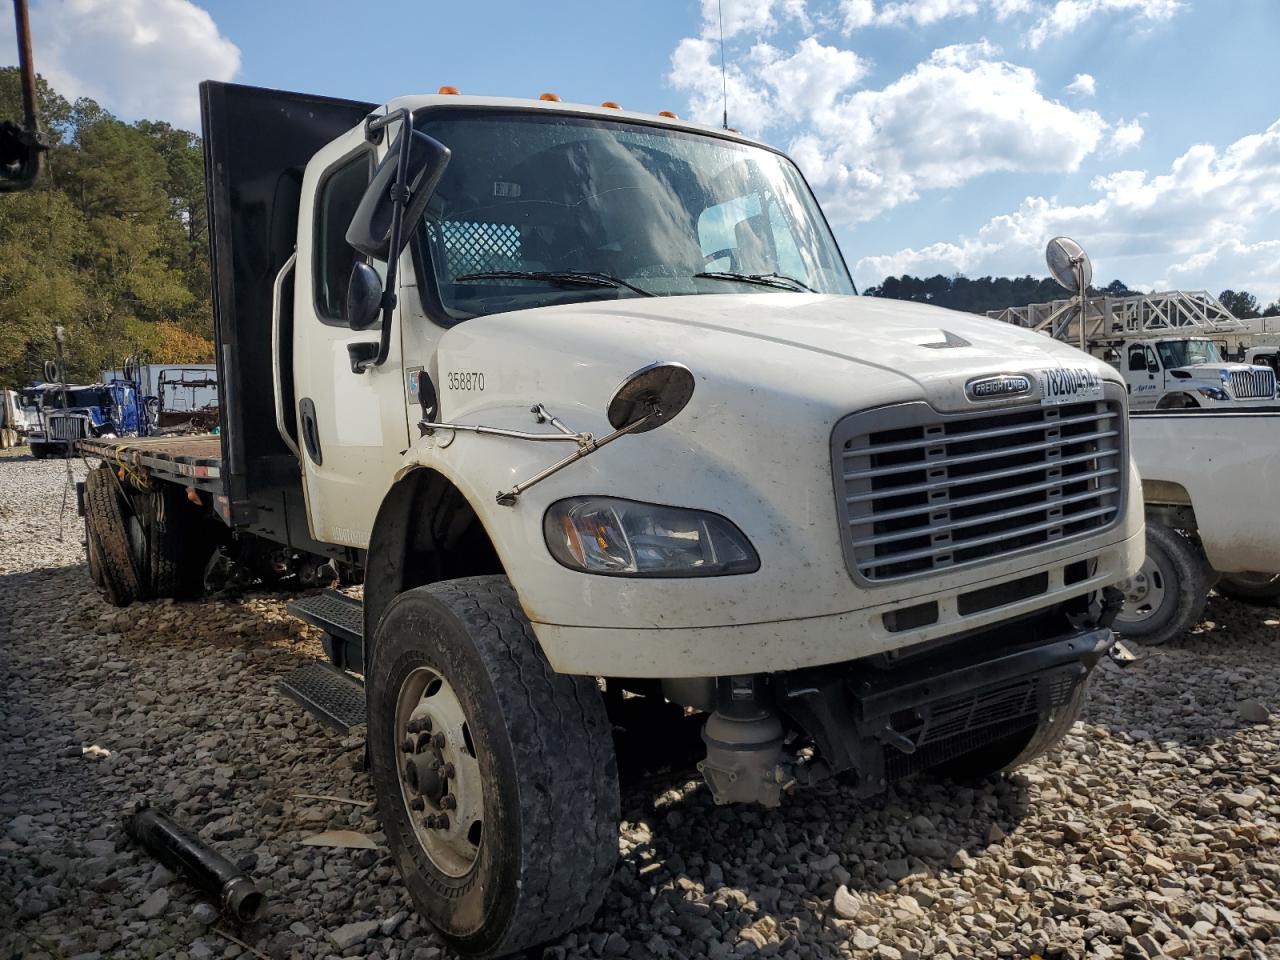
point(1166, 597)
point(464, 706)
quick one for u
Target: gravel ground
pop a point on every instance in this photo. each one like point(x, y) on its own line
point(1153, 831)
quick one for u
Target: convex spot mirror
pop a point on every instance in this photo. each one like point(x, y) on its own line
point(370, 229)
point(659, 391)
point(364, 296)
point(1069, 264)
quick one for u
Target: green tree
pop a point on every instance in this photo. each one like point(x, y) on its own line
point(1241, 303)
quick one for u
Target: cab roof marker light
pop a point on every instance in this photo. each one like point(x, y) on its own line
point(610, 105)
point(447, 91)
point(551, 97)
point(670, 115)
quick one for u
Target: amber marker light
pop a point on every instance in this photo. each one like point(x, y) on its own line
point(448, 91)
point(610, 105)
point(552, 97)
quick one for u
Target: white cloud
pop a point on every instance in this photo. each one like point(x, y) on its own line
point(961, 114)
point(749, 16)
point(924, 12)
point(137, 58)
point(1082, 86)
point(856, 14)
point(1126, 136)
point(1194, 226)
point(1066, 15)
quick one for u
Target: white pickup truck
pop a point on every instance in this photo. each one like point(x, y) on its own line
point(1209, 480)
point(587, 399)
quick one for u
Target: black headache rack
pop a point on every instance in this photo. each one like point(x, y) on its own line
point(257, 143)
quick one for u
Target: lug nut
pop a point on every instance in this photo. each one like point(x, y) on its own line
point(442, 822)
point(407, 746)
point(447, 802)
point(448, 772)
point(416, 803)
point(438, 741)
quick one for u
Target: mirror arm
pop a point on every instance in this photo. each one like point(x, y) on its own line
point(508, 499)
point(399, 199)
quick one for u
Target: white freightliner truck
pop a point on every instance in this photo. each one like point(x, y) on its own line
point(586, 399)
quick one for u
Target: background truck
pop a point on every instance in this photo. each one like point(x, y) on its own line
point(1167, 346)
point(586, 400)
point(72, 412)
point(1207, 480)
point(1178, 372)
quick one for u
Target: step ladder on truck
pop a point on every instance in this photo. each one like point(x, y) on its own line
point(527, 370)
point(1167, 346)
point(1202, 434)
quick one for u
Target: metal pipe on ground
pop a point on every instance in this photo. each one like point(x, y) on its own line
point(183, 852)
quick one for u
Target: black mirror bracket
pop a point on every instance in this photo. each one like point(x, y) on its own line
point(399, 198)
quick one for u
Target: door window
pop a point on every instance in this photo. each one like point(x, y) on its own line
point(338, 197)
point(1137, 361)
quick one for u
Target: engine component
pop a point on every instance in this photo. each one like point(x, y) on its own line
point(744, 745)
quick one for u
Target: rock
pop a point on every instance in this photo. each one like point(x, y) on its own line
point(845, 904)
point(1260, 914)
point(861, 940)
point(205, 914)
point(352, 934)
point(1157, 865)
point(154, 905)
point(1253, 711)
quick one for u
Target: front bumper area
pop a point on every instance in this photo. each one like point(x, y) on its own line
point(884, 725)
point(795, 644)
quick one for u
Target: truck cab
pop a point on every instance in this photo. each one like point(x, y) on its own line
point(72, 412)
point(1179, 372)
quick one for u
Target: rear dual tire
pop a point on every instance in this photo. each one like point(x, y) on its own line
point(143, 544)
point(525, 752)
point(1258, 588)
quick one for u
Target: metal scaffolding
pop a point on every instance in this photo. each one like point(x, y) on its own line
point(1108, 319)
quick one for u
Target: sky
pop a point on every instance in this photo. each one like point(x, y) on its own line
point(940, 136)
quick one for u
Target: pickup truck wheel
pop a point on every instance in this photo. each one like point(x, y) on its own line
point(1260, 588)
point(495, 776)
point(1166, 597)
point(107, 531)
point(1009, 752)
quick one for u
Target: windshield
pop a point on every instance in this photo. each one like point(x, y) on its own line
point(87, 397)
point(645, 210)
point(1186, 353)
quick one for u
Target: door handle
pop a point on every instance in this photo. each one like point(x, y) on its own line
point(310, 430)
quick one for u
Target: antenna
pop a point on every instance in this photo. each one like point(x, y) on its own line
point(724, 78)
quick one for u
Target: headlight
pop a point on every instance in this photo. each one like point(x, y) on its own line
point(625, 538)
point(1213, 393)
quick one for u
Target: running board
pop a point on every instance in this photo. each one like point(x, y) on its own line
point(332, 696)
point(342, 620)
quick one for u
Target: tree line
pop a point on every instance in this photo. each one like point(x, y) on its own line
point(981, 294)
point(111, 245)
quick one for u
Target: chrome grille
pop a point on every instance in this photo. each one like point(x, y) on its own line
point(1253, 384)
point(66, 428)
point(919, 491)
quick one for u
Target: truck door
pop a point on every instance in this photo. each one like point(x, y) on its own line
point(352, 428)
point(1141, 382)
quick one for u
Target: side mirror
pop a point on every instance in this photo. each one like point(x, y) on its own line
point(364, 297)
point(1153, 368)
point(370, 229)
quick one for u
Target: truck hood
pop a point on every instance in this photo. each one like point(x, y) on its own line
point(889, 340)
point(1214, 371)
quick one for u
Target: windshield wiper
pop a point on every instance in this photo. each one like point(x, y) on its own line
point(779, 280)
point(567, 278)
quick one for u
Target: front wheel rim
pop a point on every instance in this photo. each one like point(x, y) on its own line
point(1144, 593)
point(439, 774)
